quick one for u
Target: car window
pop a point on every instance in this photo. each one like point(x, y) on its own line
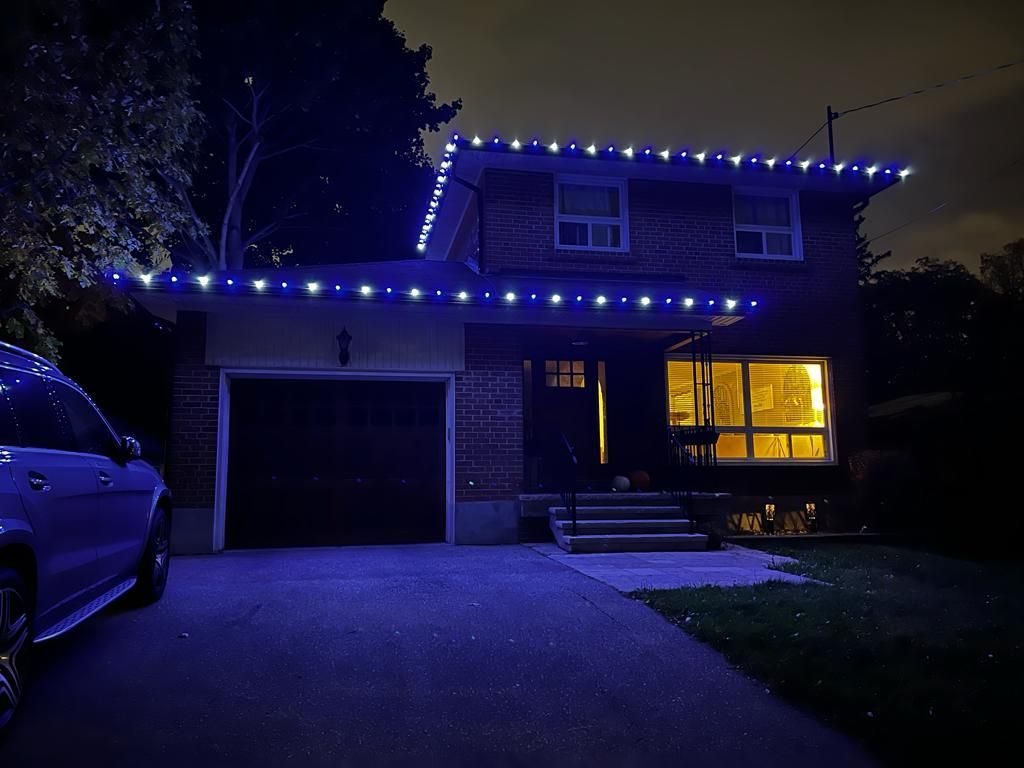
point(35, 412)
point(8, 429)
point(88, 430)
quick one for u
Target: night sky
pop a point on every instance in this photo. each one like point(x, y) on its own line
point(751, 78)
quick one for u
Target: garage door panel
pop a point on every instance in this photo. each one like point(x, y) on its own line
point(319, 463)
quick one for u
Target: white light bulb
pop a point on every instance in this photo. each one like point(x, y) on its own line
point(553, 146)
point(421, 247)
point(838, 167)
point(871, 170)
point(284, 284)
point(533, 295)
point(855, 168)
point(904, 173)
point(204, 280)
point(145, 278)
point(753, 303)
point(711, 302)
point(579, 298)
point(736, 159)
point(449, 147)
point(515, 144)
point(313, 287)
point(645, 301)
point(116, 276)
point(476, 141)
point(601, 299)
point(628, 151)
point(437, 292)
point(821, 166)
point(647, 151)
point(789, 162)
point(462, 294)
point(337, 287)
point(258, 284)
point(510, 296)
point(487, 294)
point(730, 303)
point(591, 149)
point(664, 154)
point(701, 156)
point(414, 292)
point(230, 281)
point(623, 299)
point(668, 300)
point(573, 145)
point(365, 290)
point(770, 162)
point(387, 291)
point(556, 298)
point(805, 164)
point(683, 153)
point(688, 301)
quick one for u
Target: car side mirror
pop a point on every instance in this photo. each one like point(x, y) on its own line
point(131, 448)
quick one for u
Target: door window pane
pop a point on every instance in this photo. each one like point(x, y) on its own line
point(564, 373)
point(35, 412)
point(88, 430)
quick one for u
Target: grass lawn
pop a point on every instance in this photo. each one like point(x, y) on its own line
point(918, 655)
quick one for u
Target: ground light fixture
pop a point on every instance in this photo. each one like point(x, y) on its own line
point(768, 521)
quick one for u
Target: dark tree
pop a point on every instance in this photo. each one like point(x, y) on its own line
point(96, 116)
point(867, 259)
point(317, 110)
point(1003, 272)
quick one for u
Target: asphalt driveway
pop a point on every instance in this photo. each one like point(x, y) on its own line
point(416, 655)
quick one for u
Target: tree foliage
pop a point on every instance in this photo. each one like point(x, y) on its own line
point(96, 114)
point(1003, 272)
point(315, 154)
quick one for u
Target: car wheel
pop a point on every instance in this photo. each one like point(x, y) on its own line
point(15, 626)
point(151, 579)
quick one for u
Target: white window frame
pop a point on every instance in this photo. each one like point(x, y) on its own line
point(794, 230)
point(622, 220)
point(748, 430)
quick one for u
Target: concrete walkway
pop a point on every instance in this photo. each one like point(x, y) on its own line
point(629, 571)
point(392, 656)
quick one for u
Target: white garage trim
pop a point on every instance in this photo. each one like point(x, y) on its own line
point(224, 416)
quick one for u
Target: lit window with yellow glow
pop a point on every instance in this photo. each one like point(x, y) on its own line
point(773, 410)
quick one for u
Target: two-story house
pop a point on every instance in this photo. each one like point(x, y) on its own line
point(561, 295)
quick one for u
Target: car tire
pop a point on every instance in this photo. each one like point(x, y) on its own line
point(151, 579)
point(15, 642)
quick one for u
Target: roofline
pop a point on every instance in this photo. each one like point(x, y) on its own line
point(859, 178)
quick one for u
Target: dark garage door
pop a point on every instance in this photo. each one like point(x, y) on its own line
point(320, 463)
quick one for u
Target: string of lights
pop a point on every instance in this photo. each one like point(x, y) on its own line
point(704, 158)
point(311, 288)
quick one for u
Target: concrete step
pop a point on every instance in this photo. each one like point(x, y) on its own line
point(616, 512)
point(637, 525)
point(636, 542)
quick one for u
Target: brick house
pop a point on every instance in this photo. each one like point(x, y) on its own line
point(595, 298)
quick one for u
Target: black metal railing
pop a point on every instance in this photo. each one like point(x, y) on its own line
point(568, 464)
point(692, 462)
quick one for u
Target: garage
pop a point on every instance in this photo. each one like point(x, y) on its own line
point(326, 462)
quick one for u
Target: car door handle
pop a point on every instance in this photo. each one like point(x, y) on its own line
point(38, 482)
point(105, 479)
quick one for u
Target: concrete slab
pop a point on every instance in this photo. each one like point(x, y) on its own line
point(629, 571)
point(427, 655)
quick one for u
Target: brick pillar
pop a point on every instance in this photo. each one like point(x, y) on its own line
point(192, 445)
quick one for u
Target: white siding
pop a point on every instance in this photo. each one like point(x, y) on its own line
point(383, 339)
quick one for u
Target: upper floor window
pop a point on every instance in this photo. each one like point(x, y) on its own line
point(591, 214)
point(767, 225)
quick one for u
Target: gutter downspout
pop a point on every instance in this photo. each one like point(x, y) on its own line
point(479, 218)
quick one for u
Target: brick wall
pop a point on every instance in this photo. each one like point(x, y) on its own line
point(489, 415)
point(192, 449)
point(684, 232)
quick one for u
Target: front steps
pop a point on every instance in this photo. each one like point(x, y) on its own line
point(624, 527)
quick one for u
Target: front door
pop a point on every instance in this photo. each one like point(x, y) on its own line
point(568, 406)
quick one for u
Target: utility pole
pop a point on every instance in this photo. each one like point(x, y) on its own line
point(829, 117)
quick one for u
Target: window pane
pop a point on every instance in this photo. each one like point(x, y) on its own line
point(588, 200)
point(572, 233)
point(732, 445)
point(605, 235)
point(563, 366)
point(90, 434)
point(577, 366)
point(577, 382)
point(761, 210)
point(8, 432)
point(564, 380)
point(550, 366)
point(36, 413)
point(749, 242)
point(808, 446)
point(551, 380)
point(774, 446)
point(787, 395)
point(779, 244)
point(728, 391)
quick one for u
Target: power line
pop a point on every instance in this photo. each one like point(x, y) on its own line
point(951, 202)
point(936, 86)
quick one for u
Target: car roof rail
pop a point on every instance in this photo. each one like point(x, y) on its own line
point(24, 353)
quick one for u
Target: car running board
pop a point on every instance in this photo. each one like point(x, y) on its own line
point(87, 610)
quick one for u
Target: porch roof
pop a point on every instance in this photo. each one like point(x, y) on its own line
point(442, 286)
